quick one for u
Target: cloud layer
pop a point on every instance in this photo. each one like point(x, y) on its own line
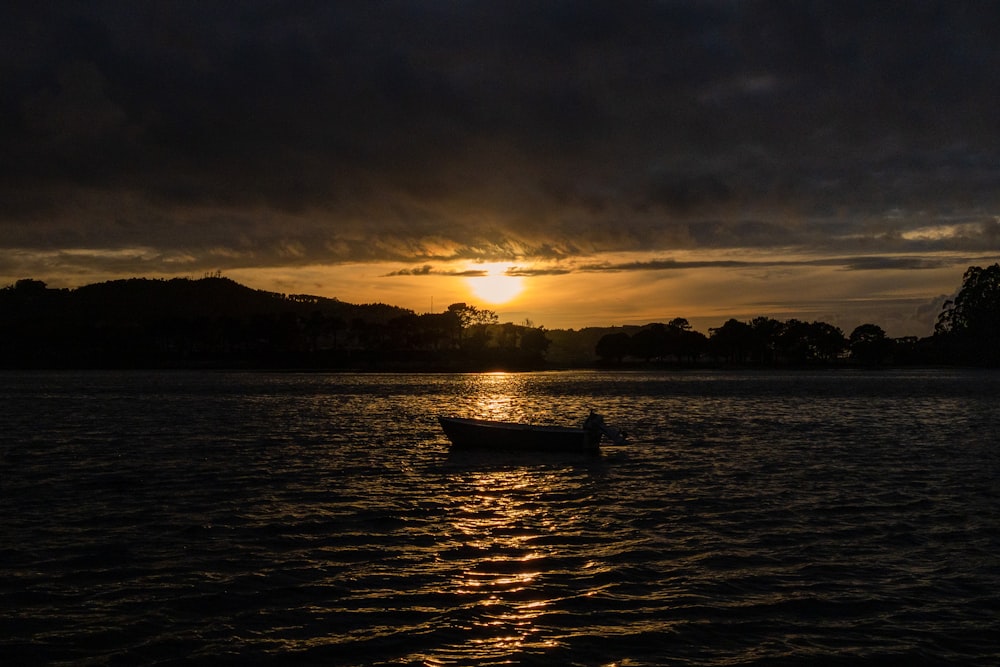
point(266, 134)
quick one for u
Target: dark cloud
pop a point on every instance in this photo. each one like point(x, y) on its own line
point(860, 263)
point(428, 270)
point(283, 132)
point(425, 270)
point(905, 263)
point(525, 272)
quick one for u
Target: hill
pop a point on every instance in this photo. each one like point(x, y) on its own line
point(180, 322)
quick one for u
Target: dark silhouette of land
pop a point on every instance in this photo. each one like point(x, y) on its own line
point(216, 323)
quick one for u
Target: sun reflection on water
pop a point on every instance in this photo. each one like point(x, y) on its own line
point(513, 532)
point(497, 396)
point(501, 578)
point(511, 397)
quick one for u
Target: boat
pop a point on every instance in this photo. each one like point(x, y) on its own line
point(512, 436)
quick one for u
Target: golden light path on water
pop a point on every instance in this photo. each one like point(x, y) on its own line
point(511, 520)
point(503, 529)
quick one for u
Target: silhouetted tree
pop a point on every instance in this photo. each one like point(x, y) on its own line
point(29, 286)
point(732, 341)
point(912, 350)
point(793, 341)
point(827, 341)
point(442, 330)
point(614, 346)
point(869, 344)
point(691, 345)
point(474, 323)
point(969, 327)
point(469, 316)
point(682, 341)
point(650, 342)
point(766, 334)
point(803, 342)
point(509, 336)
point(534, 342)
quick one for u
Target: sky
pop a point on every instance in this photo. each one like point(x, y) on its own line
point(566, 164)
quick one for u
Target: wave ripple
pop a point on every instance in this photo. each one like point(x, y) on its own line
point(836, 518)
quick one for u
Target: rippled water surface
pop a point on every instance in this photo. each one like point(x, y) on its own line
point(757, 518)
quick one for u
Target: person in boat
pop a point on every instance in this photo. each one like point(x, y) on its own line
point(595, 422)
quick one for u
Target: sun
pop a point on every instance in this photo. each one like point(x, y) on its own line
point(495, 285)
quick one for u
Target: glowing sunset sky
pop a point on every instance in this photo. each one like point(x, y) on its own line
point(625, 162)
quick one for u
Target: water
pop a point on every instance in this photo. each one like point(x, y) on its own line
point(243, 518)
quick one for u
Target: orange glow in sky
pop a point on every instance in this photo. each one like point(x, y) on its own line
point(556, 186)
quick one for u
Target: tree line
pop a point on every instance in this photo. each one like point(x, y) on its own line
point(967, 333)
point(763, 341)
point(216, 323)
